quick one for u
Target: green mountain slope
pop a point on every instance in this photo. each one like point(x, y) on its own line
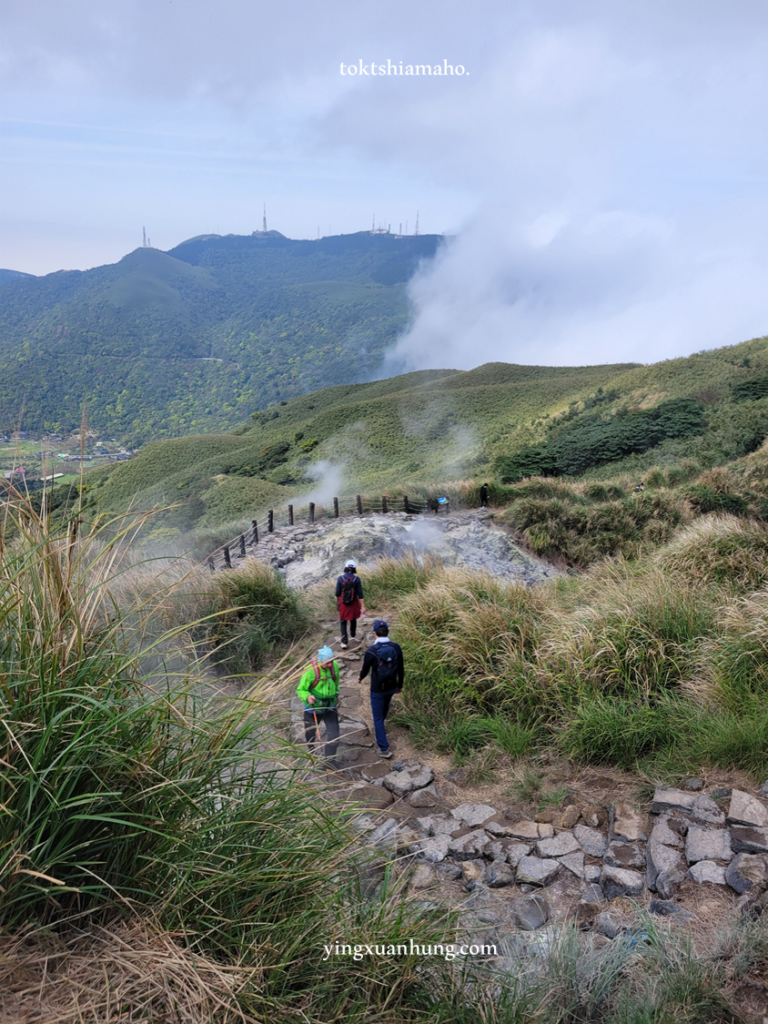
point(422, 430)
point(164, 344)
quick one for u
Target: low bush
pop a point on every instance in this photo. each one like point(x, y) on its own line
point(258, 612)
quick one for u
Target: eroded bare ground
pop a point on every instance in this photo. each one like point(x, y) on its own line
point(312, 553)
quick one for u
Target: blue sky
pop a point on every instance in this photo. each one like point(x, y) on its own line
point(602, 165)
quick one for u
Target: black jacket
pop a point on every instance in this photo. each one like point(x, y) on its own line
point(358, 585)
point(371, 662)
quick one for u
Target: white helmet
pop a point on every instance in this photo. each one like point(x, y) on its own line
point(350, 564)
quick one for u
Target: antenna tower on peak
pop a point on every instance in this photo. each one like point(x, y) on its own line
point(417, 224)
point(264, 220)
point(144, 232)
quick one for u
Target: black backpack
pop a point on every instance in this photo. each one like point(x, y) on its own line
point(386, 667)
point(348, 588)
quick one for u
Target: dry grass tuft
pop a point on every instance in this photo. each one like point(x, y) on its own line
point(134, 970)
point(719, 550)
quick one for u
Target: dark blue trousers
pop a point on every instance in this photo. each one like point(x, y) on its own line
point(380, 707)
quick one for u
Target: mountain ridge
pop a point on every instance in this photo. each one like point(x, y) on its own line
point(257, 318)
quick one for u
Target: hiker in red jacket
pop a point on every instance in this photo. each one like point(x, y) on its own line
point(349, 596)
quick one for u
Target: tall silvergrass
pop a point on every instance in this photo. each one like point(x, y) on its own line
point(630, 664)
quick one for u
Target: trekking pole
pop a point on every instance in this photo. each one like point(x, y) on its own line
point(317, 727)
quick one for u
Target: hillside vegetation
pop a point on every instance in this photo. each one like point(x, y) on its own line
point(165, 344)
point(447, 430)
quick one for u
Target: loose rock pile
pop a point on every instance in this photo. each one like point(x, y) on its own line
point(583, 857)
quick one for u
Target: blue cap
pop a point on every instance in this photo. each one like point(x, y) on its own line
point(325, 654)
point(379, 624)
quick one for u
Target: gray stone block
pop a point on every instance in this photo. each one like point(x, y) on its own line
point(746, 871)
point(747, 810)
point(660, 858)
point(427, 797)
point(558, 846)
point(534, 871)
point(473, 814)
point(592, 842)
point(470, 846)
point(707, 871)
point(624, 855)
point(575, 863)
point(499, 875)
point(707, 844)
point(531, 830)
point(621, 882)
point(671, 800)
point(747, 839)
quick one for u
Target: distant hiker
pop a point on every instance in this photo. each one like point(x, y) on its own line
point(318, 690)
point(384, 660)
point(349, 597)
point(432, 505)
point(443, 503)
point(639, 488)
point(484, 495)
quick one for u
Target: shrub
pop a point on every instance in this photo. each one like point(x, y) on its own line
point(593, 441)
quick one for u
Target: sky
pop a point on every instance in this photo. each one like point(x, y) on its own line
point(599, 167)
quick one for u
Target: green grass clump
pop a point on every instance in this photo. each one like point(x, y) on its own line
point(630, 664)
point(393, 578)
point(258, 612)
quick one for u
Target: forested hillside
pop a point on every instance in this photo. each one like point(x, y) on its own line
point(423, 430)
point(165, 344)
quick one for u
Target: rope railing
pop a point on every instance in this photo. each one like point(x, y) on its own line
point(292, 515)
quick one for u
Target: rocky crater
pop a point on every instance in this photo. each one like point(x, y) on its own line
point(310, 553)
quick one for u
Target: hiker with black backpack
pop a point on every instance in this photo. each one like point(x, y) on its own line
point(384, 660)
point(318, 690)
point(349, 596)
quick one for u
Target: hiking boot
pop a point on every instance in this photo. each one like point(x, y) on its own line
point(345, 647)
point(384, 753)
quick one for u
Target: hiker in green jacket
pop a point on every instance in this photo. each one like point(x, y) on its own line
point(318, 691)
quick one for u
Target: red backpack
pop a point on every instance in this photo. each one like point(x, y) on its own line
point(316, 667)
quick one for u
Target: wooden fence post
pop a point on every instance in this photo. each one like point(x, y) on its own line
point(359, 502)
point(335, 508)
point(311, 511)
point(290, 515)
point(242, 545)
point(255, 526)
point(270, 521)
point(227, 559)
point(405, 503)
point(384, 506)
